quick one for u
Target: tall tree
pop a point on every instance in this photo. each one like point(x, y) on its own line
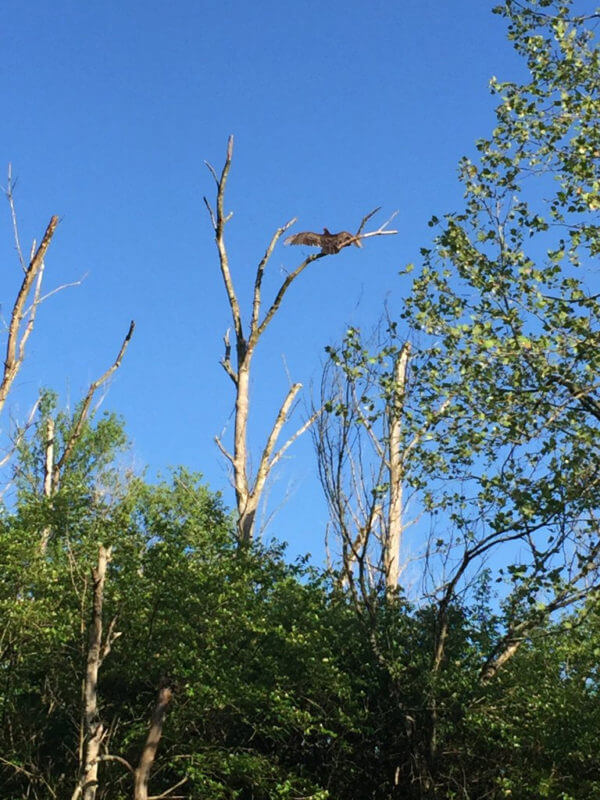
point(249, 487)
point(513, 321)
point(505, 373)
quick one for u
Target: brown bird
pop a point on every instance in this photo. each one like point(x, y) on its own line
point(328, 242)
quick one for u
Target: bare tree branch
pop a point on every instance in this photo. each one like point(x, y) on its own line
point(226, 360)
point(109, 639)
point(265, 460)
point(292, 439)
point(381, 231)
point(15, 347)
point(213, 219)
point(168, 792)
point(219, 223)
point(9, 192)
point(365, 219)
point(85, 408)
point(282, 291)
point(58, 289)
point(225, 452)
point(21, 431)
point(260, 272)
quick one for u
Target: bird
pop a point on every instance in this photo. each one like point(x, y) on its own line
point(329, 243)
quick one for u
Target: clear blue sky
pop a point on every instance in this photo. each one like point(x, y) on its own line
point(109, 110)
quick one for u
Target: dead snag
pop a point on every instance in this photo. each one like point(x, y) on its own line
point(249, 486)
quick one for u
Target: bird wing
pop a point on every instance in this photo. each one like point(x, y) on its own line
point(305, 237)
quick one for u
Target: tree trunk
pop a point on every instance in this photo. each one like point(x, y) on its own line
point(48, 474)
point(246, 512)
point(94, 730)
point(391, 555)
point(142, 773)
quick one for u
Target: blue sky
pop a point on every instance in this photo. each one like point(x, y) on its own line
point(109, 110)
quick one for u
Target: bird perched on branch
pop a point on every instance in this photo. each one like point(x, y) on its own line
point(328, 242)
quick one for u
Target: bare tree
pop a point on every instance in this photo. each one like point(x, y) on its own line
point(21, 325)
point(249, 486)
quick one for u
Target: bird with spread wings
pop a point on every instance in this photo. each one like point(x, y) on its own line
point(328, 242)
point(331, 243)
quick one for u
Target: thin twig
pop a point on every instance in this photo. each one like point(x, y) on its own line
point(167, 792)
point(365, 219)
point(9, 192)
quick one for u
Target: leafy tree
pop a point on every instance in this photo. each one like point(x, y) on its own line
point(515, 329)
point(499, 409)
point(262, 699)
point(43, 595)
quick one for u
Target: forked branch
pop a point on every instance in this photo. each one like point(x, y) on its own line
point(381, 231)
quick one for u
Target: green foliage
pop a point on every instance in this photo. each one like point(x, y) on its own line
point(278, 691)
point(285, 685)
point(538, 720)
point(500, 419)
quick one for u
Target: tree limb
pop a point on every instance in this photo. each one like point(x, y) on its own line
point(219, 221)
point(283, 289)
point(302, 429)
point(265, 460)
point(85, 408)
point(15, 348)
point(260, 272)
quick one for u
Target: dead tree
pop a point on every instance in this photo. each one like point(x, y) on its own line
point(28, 299)
point(396, 457)
point(24, 312)
point(249, 487)
point(21, 325)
